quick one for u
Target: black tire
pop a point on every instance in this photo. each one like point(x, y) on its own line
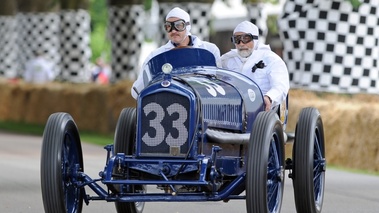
point(124, 143)
point(125, 131)
point(309, 163)
point(265, 167)
point(61, 160)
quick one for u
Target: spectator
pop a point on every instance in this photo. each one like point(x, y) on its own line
point(101, 72)
point(258, 62)
point(39, 70)
point(177, 26)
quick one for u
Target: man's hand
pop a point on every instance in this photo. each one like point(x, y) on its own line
point(268, 102)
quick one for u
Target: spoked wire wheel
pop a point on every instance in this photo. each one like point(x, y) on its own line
point(61, 160)
point(309, 164)
point(265, 167)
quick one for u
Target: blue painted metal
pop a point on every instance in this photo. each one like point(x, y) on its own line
point(207, 97)
point(101, 194)
point(181, 58)
point(274, 176)
point(319, 168)
point(70, 166)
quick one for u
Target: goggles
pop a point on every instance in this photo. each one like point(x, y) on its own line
point(245, 38)
point(179, 25)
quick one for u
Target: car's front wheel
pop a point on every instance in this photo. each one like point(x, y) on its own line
point(61, 162)
point(124, 143)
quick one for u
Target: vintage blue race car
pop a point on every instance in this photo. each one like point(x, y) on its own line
point(199, 133)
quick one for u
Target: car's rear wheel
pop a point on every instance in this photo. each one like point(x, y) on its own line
point(309, 162)
point(265, 166)
point(124, 143)
point(61, 160)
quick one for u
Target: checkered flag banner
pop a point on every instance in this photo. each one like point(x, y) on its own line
point(126, 36)
point(200, 19)
point(9, 48)
point(331, 47)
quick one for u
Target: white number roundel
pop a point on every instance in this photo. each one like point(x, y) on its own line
point(160, 130)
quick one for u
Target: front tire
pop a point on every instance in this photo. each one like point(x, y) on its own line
point(124, 143)
point(61, 160)
point(309, 162)
point(265, 168)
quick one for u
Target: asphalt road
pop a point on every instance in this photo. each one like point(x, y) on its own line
point(20, 185)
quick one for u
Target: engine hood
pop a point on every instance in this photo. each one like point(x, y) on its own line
point(221, 103)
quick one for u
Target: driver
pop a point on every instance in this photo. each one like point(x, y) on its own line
point(177, 26)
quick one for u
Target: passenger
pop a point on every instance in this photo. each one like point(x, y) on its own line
point(178, 28)
point(259, 63)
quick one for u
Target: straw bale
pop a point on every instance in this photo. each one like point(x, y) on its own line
point(350, 121)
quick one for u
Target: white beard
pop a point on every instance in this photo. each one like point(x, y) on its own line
point(245, 53)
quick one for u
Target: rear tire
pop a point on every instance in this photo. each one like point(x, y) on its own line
point(61, 160)
point(265, 167)
point(309, 162)
point(124, 143)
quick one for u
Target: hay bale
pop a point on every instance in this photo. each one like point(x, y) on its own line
point(350, 121)
point(350, 125)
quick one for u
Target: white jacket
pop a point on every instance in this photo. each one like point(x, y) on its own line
point(39, 70)
point(273, 79)
point(144, 76)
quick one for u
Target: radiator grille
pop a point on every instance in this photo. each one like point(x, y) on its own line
point(223, 115)
point(164, 125)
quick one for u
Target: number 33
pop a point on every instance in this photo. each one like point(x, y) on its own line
point(161, 130)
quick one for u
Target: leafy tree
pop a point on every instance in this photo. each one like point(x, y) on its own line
point(355, 3)
point(100, 44)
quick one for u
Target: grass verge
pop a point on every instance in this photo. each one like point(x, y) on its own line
point(35, 129)
point(102, 140)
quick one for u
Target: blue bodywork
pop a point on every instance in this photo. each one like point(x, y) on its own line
point(193, 126)
point(198, 133)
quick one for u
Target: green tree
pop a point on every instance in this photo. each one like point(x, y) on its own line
point(355, 3)
point(100, 44)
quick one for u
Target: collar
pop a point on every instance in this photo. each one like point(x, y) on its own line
point(190, 43)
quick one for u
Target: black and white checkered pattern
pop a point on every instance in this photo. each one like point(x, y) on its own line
point(74, 49)
point(200, 18)
point(62, 37)
point(254, 15)
point(126, 35)
point(9, 48)
point(329, 46)
point(37, 32)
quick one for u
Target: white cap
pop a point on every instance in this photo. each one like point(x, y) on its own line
point(247, 27)
point(181, 14)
